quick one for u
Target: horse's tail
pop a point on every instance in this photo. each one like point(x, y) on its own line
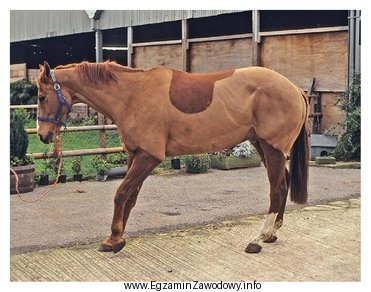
point(299, 165)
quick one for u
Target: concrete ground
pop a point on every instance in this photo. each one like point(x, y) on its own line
point(176, 227)
point(313, 245)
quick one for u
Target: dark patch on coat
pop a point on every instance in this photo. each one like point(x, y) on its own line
point(193, 93)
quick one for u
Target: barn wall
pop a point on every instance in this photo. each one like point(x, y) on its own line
point(332, 115)
point(158, 56)
point(219, 55)
point(18, 72)
point(297, 55)
point(304, 56)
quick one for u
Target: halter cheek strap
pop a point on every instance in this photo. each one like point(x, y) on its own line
point(61, 102)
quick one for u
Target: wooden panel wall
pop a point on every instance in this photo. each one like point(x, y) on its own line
point(303, 56)
point(219, 55)
point(18, 72)
point(158, 56)
point(332, 115)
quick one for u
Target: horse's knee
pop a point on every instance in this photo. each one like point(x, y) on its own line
point(122, 194)
point(119, 198)
point(131, 201)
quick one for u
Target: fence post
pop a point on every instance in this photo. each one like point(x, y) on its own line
point(102, 134)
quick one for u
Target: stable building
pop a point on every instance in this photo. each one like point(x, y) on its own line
point(318, 50)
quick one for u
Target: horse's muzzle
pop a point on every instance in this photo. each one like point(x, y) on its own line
point(47, 139)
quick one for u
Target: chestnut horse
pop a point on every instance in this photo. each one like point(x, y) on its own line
point(163, 112)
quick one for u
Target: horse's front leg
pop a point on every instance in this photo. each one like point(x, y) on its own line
point(141, 166)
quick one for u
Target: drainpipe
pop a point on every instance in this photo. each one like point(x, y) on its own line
point(357, 55)
point(94, 16)
point(354, 43)
point(351, 47)
point(354, 25)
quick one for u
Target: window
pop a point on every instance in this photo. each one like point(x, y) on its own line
point(225, 24)
point(57, 50)
point(271, 20)
point(115, 45)
point(158, 32)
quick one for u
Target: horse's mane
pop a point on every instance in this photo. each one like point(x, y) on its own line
point(97, 73)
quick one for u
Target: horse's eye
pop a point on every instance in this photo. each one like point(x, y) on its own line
point(41, 98)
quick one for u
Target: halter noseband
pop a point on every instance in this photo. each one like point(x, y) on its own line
point(61, 102)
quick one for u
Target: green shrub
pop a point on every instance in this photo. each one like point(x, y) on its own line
point(18, 138)
point(100, 165)
point(76, 165)
point(349, 145)
point(117, 159)
point(23, 92)
point(197, 163)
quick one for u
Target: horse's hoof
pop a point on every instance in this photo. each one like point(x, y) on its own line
point(253, 248)
point(119, 246)
point(271, 239)
point(116, 247)
point(105, 248)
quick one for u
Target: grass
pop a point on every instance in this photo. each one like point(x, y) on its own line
point(80, 140)
point(71, 141)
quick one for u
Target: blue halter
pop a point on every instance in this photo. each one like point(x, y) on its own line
point(61, 102)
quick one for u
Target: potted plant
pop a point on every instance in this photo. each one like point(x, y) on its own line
point(76, 168)
point(55, 162)
point(44, 175)
point(101, 167)
point(241, 156)
point(21, 164)
point(62, 176)
point(175, 163)
point(199, 163)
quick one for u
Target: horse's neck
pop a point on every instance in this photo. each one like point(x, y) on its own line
point(101, 98)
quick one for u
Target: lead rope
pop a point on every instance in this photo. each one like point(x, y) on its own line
point(57, 151)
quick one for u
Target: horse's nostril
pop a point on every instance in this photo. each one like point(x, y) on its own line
point(47, 139)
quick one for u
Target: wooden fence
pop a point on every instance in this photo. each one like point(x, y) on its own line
point(81, 152)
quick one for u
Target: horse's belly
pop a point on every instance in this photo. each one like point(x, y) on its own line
point(205, 137)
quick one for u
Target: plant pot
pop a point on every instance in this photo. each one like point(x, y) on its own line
point(231, 162)
point(62, 178)
point(77, 177)
point(25, 179)
point(101, 177)
point(175, 163)
point(44, 180)
point(197, 163)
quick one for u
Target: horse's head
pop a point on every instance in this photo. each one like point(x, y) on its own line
point(53, 105)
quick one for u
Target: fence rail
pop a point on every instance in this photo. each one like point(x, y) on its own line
point(81, 128)
point(80, 152)
point(34, 106)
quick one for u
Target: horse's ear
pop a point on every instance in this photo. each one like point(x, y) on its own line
point(46, 72)
point(41, 67)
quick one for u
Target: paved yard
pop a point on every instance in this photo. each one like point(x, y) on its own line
point(183, 221)
point(80, 213)
point(317, 243)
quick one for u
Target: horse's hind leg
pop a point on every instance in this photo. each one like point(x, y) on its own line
point(275, 162)
point(279, 219)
